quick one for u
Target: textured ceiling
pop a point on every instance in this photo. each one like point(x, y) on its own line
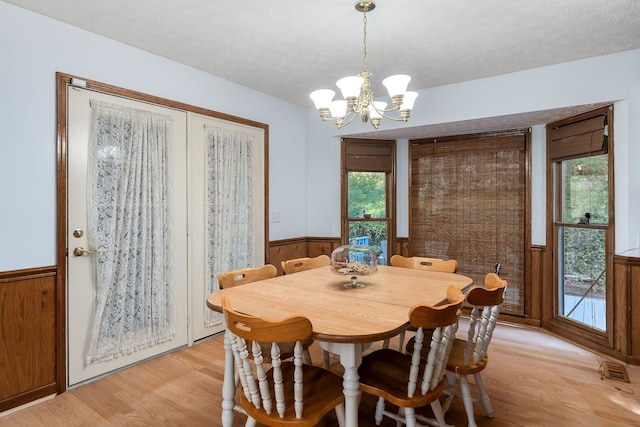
point(288, 48)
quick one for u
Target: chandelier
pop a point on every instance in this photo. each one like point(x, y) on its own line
point(357, 93)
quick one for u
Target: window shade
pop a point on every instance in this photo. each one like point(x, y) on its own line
point(585, 138)
point(365, 157)
point(467, 202)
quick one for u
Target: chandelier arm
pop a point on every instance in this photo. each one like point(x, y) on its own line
point(404, 114)
point(395, 119)
point(353, 116)
point(388, 110)
point(340, 119)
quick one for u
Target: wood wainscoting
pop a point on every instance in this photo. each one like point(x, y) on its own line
point(534, 292)
point(27, 336)
point(281, 250)
point(626, 282)
point(401, 247)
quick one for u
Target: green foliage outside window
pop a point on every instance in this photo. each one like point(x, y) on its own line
point(376, 231)
point(584, 259)
point(367, 193)
point(367, 196)
point(585, 190)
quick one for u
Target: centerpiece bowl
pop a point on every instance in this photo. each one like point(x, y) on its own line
point(354, 261)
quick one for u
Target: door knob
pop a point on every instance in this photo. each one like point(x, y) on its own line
point(79, 251)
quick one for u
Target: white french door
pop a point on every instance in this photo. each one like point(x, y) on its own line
point(195, 270)
point(201, 267)
point(81, 267)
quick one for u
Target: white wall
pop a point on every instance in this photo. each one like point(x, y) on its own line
point(304, 152)
point(610, 78)
point(538, 184)
point(402, 188)
point(33, 48)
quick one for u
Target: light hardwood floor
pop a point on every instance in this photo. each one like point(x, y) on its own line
point(533, 379)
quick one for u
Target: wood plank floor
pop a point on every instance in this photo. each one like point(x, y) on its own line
point(533, 379)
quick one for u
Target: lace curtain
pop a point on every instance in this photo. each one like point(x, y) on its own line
point(130, 225)
point(229, 205)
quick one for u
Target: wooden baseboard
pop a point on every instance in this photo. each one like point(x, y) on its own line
point(27, 397)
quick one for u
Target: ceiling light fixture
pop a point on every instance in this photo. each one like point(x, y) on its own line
point(357, 93)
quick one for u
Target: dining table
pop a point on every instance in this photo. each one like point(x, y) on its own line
point(346, 320)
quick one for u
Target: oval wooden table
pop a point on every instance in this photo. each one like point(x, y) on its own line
point(345, 320)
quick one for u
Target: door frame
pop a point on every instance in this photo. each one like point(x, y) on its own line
point(63, 81)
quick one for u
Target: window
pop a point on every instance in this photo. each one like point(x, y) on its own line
point(368, 205)
point(581, 229)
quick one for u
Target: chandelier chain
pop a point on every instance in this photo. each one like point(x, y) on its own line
point(364, 58)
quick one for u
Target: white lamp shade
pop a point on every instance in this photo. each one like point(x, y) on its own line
point(379, 106)
point(408, 100)
point(338, 108)
point(322, 98)
point(396, 85)
point(350, 86)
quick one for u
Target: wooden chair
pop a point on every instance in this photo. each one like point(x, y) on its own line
point(300, 264)
point(307, 263)
point(407, 380)
point(248, 275)
point(284, 392)
point(420, 263)
point(469, 357)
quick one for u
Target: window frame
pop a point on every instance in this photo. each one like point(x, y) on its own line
point(390, 185)
point(552, 320)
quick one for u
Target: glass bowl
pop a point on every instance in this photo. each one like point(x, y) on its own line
point(354, 261)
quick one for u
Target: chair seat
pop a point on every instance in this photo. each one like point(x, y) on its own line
point(456, 360)
point(321, 393)
point(385, 373)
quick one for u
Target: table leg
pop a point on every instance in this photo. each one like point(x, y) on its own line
point(228, 384)
point(350, 359)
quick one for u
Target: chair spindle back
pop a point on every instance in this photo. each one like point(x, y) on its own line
point(484, 315)
point(443, 320)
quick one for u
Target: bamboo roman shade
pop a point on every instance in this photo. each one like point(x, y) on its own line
point(579, 139)
point(368, 157)
point(467, 202)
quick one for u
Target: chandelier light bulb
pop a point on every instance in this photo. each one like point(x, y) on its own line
point(338, 108)
point(396, 85)
point(408, 100)
point(376, 113)
point(350, 86)
point(322, 97)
